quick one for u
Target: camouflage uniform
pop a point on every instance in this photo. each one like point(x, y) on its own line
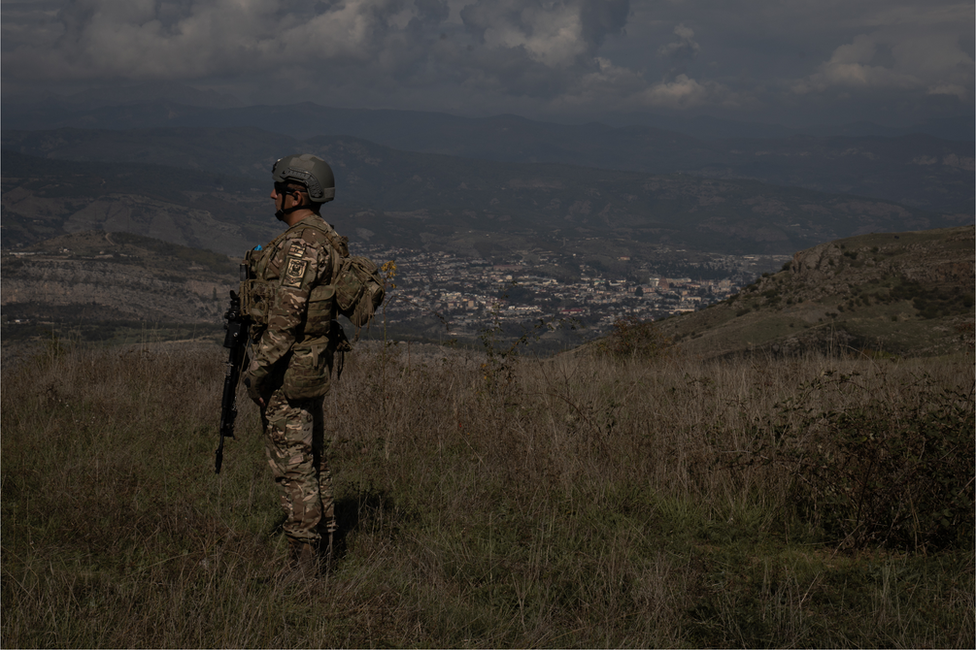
point(295, 447)
point(289, 299)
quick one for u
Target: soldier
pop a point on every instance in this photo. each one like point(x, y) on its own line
point(289, 298)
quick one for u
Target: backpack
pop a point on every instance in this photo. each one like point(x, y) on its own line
point(359, 287)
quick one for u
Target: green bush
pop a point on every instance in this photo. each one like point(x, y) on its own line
point(881, 473)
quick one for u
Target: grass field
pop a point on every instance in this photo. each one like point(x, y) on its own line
point(496, 502)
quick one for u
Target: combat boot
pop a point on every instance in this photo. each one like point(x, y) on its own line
point(304, 558)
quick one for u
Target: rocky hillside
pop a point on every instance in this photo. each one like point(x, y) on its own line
point(908, 294)
point(100, 277)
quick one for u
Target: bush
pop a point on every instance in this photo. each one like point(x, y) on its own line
point(634, 338)
point(880, 472)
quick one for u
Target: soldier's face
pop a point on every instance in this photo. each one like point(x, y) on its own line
point(280, 197)
point(286, 199)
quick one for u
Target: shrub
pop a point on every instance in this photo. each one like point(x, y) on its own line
point(881, 472)
point(634, 338)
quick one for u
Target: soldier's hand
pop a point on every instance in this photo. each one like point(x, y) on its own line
point(253, 391)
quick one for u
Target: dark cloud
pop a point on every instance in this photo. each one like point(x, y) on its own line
point(684, 48)
point(602, 18)
point(790, 59)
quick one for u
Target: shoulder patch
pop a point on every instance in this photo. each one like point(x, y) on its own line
point(294, 273)
point(295, 266)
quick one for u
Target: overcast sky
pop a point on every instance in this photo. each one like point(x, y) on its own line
point(795, 62)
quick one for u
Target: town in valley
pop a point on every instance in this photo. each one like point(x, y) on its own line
point(448, 295)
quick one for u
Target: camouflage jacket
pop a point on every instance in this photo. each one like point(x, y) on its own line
point(290, 300)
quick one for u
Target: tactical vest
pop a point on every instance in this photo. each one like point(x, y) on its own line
point(308, 365)
point(262, 270)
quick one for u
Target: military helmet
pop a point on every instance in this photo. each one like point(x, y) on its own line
point(308, 170)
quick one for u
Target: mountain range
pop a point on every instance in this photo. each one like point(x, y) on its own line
point(188, 186)
point(914, 169)
point(98, 281)
point(82, 109)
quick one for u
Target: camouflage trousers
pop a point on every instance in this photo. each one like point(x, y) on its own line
point(295, 447)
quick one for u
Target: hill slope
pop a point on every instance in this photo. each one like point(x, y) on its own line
point(101, 278)
point(908, 293)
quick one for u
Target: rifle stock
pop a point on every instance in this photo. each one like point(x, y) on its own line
point(235, 340)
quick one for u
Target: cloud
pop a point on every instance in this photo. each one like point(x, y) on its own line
point(508, 55)
point(556, 33)
point(948, 89)
point(683, 92)
point(684, 48)
point(192, 39)
point(531, 48)
point(179, 39)
point(894, 57)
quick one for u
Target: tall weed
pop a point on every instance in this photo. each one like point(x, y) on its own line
point(571, 501)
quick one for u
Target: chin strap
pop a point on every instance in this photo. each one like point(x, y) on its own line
point(284, 212)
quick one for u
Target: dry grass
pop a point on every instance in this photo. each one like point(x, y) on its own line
point(484, 502)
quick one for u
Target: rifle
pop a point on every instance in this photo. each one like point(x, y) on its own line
point(235, 340)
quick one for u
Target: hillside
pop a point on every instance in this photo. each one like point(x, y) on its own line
point(105, 279)
point(908, 294)
point(481, 502)
point(186, 185)
point(47, 198)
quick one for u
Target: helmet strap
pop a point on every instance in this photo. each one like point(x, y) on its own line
point(280, 214)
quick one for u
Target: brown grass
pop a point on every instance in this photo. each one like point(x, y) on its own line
point(484, 501)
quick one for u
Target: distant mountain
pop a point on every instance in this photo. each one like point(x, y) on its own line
point(195, 194)
point(905, 294)
point(27, 112)
point(913, 169)
point(958, 129)
point(118, 95)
